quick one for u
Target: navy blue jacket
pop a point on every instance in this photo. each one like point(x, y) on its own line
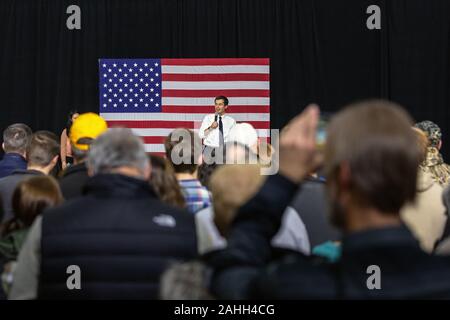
point(247, 268)
point(11, 162)
point(119, 234)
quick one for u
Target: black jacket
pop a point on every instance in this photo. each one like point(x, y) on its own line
point(246, 269)
point(121, 237)
point(73, 180)
point(7, 186)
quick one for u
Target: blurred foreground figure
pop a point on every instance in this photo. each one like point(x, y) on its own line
point(371, 162)
point(119, 234)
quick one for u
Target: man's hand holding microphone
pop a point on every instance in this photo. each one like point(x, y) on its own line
point(213, 125)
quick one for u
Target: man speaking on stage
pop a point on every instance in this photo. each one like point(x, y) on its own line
point(216, 127)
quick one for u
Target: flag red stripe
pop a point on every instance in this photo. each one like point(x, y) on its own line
point(154, 139)
point(216, 62)
point(216, 77)
point(210, 109)
point(213, 93)
point(158, 154)
point(144, 124)
point(139, 124)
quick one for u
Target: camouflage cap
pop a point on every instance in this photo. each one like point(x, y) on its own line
point(432, 131)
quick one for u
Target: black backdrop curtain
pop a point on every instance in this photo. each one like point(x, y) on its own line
point(320, 51)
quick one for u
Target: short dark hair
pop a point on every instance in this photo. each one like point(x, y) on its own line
point(43, 147)
point(225, 99)
point(374, 138)
point(193, 146)
point(78, 154)
point(205, 171)
point(16, 138)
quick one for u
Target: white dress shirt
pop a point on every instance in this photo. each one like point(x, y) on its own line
point(211, 139)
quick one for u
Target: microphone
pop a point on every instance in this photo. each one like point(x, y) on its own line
point(215, 117)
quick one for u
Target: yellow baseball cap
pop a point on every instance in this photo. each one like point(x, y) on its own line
point(87, 127)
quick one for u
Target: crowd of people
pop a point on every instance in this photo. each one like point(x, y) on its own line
point(142, 226)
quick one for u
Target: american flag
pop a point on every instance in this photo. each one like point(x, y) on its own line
point(155, 96)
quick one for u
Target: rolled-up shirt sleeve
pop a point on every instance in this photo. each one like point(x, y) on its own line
point(205, 124)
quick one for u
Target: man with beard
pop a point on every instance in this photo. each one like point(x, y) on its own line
point(371, 160)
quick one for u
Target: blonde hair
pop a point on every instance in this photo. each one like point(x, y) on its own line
point(231, 187)
point(422, 142)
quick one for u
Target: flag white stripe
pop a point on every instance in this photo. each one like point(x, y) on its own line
point(209, 101)
point(215, 69)
point(150, 147)
point(153, 116)
point(165, 132)
point(220, 85)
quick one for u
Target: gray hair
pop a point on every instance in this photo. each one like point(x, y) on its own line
point(16, 137)
point(186, 281)
point(78, 154)
point(117, 147)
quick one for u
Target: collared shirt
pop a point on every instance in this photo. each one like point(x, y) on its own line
point(196, 196)
point(211, 139)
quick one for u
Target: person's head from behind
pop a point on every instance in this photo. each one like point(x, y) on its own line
point(30, 198)
point(84, 130)
point(43, 151)
point(245, 134)
point(221, 104)
point(183, 150)
point(16, 138)
point(165, 183)
point(118, 151)
point(231, 187)
point(432, 131)
point(371, 163)
point(205, 172)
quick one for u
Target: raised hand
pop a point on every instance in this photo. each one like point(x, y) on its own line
point(298, 152)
